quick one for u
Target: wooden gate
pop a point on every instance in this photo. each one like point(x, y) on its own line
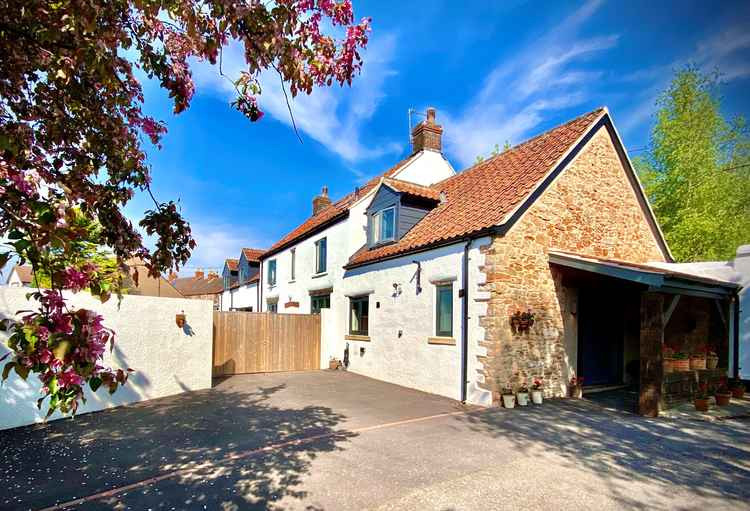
point(262, 342)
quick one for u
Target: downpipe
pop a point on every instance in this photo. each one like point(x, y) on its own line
point(465, 323)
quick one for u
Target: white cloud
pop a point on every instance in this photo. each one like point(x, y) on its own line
point(333, 116)
point(218, 241)
point(546, 75)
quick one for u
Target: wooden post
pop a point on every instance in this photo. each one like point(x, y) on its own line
point(652, 340)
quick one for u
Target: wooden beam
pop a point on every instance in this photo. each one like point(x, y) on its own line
point(672, 306)
point(721, 313)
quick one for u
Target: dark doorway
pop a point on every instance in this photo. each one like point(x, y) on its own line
point(601, 336)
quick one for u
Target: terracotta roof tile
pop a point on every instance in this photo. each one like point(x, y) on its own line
point(485, 194)
point(252, 254)
point(232, 264)
point(335, 211)
point(191, 286)
point(412, 188)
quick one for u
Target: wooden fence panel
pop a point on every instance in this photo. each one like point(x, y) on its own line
point(262, 342)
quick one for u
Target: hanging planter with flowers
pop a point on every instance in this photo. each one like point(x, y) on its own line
point(522, 321)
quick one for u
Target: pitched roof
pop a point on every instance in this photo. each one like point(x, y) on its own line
point(232, 264)
point(332, 213)
point(485, 194)
point(25, 273)
point(251, 254)
point(191, 286)
point(414, 189)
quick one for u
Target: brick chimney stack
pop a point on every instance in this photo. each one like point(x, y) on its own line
point(321, 201)
point(199, 274)
point(427, 134)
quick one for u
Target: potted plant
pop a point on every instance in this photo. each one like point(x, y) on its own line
point(522, 321)
point(698, 360)
point(700, 400)
point(668, 360)
point(523, 395)
point(723, 394)
point(738, 389)
point(712, 360)
point(681, 361)
point(509, 397)
point(537, 393)
point(576, 387)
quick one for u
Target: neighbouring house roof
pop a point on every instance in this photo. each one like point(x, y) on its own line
point(332, 213)
point(251, 254)
point(414, 189)
point(191, 286)
point(490, 193)
point(147, 285)
point(24, 272)
point(655, 275)
point(233, 264)
point(254, 278)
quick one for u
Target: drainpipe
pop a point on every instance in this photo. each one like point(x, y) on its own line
point(465, 323)
point(259, 292)
point(736, 340)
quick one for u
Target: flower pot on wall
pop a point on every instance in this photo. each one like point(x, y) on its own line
point(509, 401)
point(523, 398)
point(681, 365)
point(536, 397)
point(697, 363)
point(712, 362)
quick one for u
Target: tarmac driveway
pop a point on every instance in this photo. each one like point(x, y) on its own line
point(333, 440)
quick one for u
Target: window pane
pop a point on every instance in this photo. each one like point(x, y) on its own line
point(353, 320)
point(445, 311)
point(388, 218)
point(321, 245)
point(358, 316)
point(376, 227)
point(294, 253)
point(364, 316)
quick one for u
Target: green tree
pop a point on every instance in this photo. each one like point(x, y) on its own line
point(495, 151)
point(697, 170)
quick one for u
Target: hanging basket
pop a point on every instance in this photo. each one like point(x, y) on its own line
point(697, 363)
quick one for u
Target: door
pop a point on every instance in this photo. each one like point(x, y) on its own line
point(600, 336)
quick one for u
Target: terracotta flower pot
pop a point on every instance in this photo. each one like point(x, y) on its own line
point(738, 392)
point(701, 404)
point(712, 362)
point(681, 365)
point(697, 363)
point(722, 399)
point(668, 365)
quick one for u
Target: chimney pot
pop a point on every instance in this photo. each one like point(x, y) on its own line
point(199, 274)
point(321, 201)
point(427, 134)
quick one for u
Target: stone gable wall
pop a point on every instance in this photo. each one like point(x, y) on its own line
point(590, 209)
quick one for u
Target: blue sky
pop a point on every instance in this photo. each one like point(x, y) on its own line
point(494, 71)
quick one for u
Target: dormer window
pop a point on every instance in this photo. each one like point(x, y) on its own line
point(384, 225)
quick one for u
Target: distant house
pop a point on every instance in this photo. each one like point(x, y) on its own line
point(147, 285)
point(200, 286)
point(240, 278)
point(20, 276)
point(426, 273)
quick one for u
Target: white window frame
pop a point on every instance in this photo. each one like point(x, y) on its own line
point(272, 263)
point(377, 226)
point(293, 266)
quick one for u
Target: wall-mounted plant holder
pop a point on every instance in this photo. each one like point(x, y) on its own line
point(522, 321)
point(180, 319)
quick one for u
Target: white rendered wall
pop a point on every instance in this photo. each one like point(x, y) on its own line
point(167, 359)
point(242, 296)
point(742, 267)
point(409, 360)
point(426, 168)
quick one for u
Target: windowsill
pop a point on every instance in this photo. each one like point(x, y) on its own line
point(382, 243)
point(350, 337)
point(292, 281)
point(271, 286)
point(444, 341)
point(321, 274)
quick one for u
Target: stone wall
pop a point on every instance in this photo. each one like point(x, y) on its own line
point(590, 209)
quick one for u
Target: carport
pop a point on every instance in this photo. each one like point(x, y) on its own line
point(627, 314)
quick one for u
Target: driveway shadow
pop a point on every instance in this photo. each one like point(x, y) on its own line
point(708, 459)
point(206, 435)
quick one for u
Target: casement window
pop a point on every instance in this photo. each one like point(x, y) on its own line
point(444, 310)
point(271, 273)
point(273, 307)
point(358, 315)
point(383, 225)
point(293, 253)
point(321, 249)
point(319, 302)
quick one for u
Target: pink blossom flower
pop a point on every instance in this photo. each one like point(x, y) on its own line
point(68, 378)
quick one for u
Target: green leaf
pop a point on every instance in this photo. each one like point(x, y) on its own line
point(22, 371)
point(95, 383)
point(52, 385)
